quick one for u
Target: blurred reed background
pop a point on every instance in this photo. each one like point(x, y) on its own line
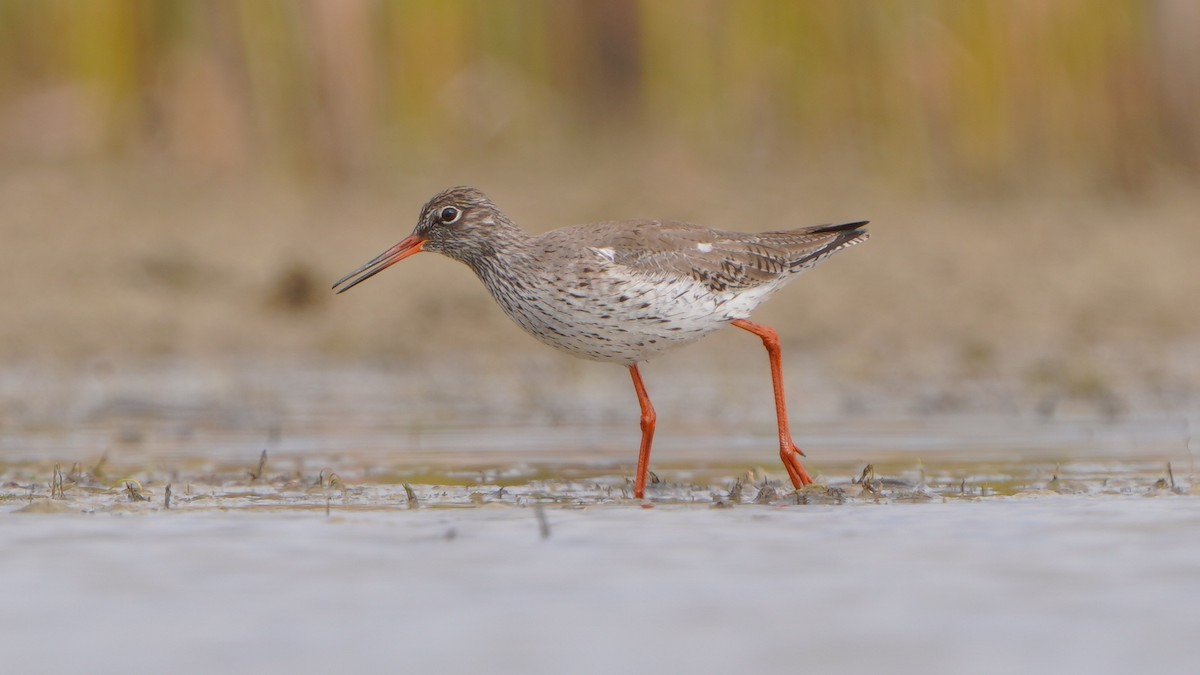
point(933, 94)
point(180, 179)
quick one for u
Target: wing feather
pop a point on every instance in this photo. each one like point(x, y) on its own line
point(720, 259)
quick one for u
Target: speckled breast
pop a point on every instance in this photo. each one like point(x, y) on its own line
point(605, 315)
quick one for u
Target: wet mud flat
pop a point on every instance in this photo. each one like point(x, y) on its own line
point(287, 484)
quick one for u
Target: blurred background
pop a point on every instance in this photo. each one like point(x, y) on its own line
point(180, 183)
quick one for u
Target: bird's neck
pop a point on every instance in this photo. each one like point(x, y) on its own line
point(506, 247)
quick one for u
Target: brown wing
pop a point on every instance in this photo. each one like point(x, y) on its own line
point(724, 260)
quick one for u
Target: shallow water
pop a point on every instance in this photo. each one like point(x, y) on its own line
point(1054, 583)
point(457, 536)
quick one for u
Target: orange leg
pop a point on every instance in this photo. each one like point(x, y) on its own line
point(648, 419)
point(788, 451)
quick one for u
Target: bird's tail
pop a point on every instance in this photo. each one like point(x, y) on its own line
point(808, 246)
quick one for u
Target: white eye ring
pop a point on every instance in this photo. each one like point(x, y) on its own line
point(449, 215)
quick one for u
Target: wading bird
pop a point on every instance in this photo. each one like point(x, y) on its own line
point(623, 291)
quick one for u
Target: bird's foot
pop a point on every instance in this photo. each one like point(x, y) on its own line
point(790, 453)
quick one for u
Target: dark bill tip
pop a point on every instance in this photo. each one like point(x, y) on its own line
point(409, 246)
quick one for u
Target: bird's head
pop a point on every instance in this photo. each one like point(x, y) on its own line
point(461, 223)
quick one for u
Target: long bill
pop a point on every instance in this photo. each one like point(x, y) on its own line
point(410, 245)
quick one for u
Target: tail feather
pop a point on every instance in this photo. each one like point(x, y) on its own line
point(844, 227)
point(843, 236)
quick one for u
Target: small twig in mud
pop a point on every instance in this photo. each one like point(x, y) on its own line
point(539, 512)
point(869, 482)
point(320, 479)
point(766, 494)
point(735, 492)
point(1167, 483)
point(653, 478)
point(262, 465)
point(868, 474)
point(167, 497)
point(410, 496)
point(56, 487)
point(134, 490)
point(328, 501)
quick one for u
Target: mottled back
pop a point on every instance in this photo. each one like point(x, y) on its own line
point(719, 259)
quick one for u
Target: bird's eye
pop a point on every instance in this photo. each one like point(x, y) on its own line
point(449, 214)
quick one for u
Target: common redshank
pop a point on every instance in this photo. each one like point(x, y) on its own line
point(623, 291)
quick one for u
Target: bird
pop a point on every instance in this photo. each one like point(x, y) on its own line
point(624, 291)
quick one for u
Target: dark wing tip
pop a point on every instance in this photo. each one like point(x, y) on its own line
point(844, 227)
